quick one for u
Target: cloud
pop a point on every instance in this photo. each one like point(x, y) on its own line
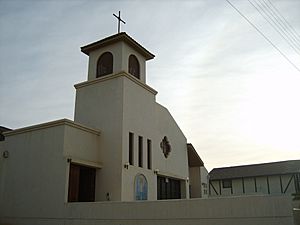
point(213, 71)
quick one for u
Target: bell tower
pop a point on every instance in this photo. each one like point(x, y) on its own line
point(115, 54)
point(115, 90)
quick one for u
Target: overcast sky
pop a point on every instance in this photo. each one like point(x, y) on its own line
point(236, 98)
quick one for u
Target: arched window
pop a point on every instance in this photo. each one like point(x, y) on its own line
point(141, 187)
point(134, 66)
point(105, 64)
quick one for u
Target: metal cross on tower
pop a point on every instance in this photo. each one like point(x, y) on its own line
point(119, 20)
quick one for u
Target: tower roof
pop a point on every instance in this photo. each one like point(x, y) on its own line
point(116, 38)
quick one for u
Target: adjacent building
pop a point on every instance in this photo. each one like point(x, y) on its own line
point(2, 130)
point(277, 178)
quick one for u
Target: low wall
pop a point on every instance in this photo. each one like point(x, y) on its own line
point(251, 210)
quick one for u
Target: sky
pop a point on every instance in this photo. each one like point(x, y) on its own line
point(234, 94)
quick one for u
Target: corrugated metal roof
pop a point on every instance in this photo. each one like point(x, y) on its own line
point(254, 170)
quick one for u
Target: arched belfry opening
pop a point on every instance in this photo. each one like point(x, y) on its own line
point(105, 64)
point(134, 66)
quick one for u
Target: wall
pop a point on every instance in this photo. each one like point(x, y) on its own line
point(121, 52)
point(81, 145)
point(99, 104)
point(33, 177)
point(36, 171)
point(115, 49)
point(255, 210)
point(198, 182)
point(127, 51)
point(118, 104)
point(264, 185)
point(143, 117)
point(195, 182)
point(204, 182)
point(177, 161)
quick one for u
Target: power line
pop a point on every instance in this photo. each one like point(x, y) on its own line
point(282, 28)
point(239, 12)
point(286, 22)
point(281, 22)
point(278, 30)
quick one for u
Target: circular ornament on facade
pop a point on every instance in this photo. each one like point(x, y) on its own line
point(165, 146)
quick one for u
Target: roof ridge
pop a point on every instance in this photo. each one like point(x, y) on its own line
point(256, 164)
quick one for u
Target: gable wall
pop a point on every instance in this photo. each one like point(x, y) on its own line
point(144, 117)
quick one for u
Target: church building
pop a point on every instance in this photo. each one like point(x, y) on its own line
point(121, 146)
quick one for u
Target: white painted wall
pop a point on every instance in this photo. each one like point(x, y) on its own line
point(100, 105)
point(237, 186)
point(177, 162)
point(119, 104)
point(261, 184)
point(34, 173)
point(144, 117)
point(121, 52)
point(204, 182)
point(34, 178)
point(127, 51)
point(249, 185)
point(82, 146)
point(139, 119)
point(254, 210)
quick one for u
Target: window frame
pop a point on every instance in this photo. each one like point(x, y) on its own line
point(131, 148)
point(140, 152)
point(227, 183)
point(109, 64)
point(133, 63)
point(82, 180)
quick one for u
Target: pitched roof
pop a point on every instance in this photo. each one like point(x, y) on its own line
point(254, 170)
point(3, 129)
point(115, 38)
point(193, 157)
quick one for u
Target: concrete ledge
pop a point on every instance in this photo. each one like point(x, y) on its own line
point(112, 76)
point(251, 210)
point(296, 213)
point(51, 124)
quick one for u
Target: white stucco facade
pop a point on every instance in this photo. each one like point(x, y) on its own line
point(107, 109)
point(130, 106)
point(36, 170)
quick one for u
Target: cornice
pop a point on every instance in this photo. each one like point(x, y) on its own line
point(51, 124)
point(113, 76)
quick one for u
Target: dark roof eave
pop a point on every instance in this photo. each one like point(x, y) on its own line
point(192, 153)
